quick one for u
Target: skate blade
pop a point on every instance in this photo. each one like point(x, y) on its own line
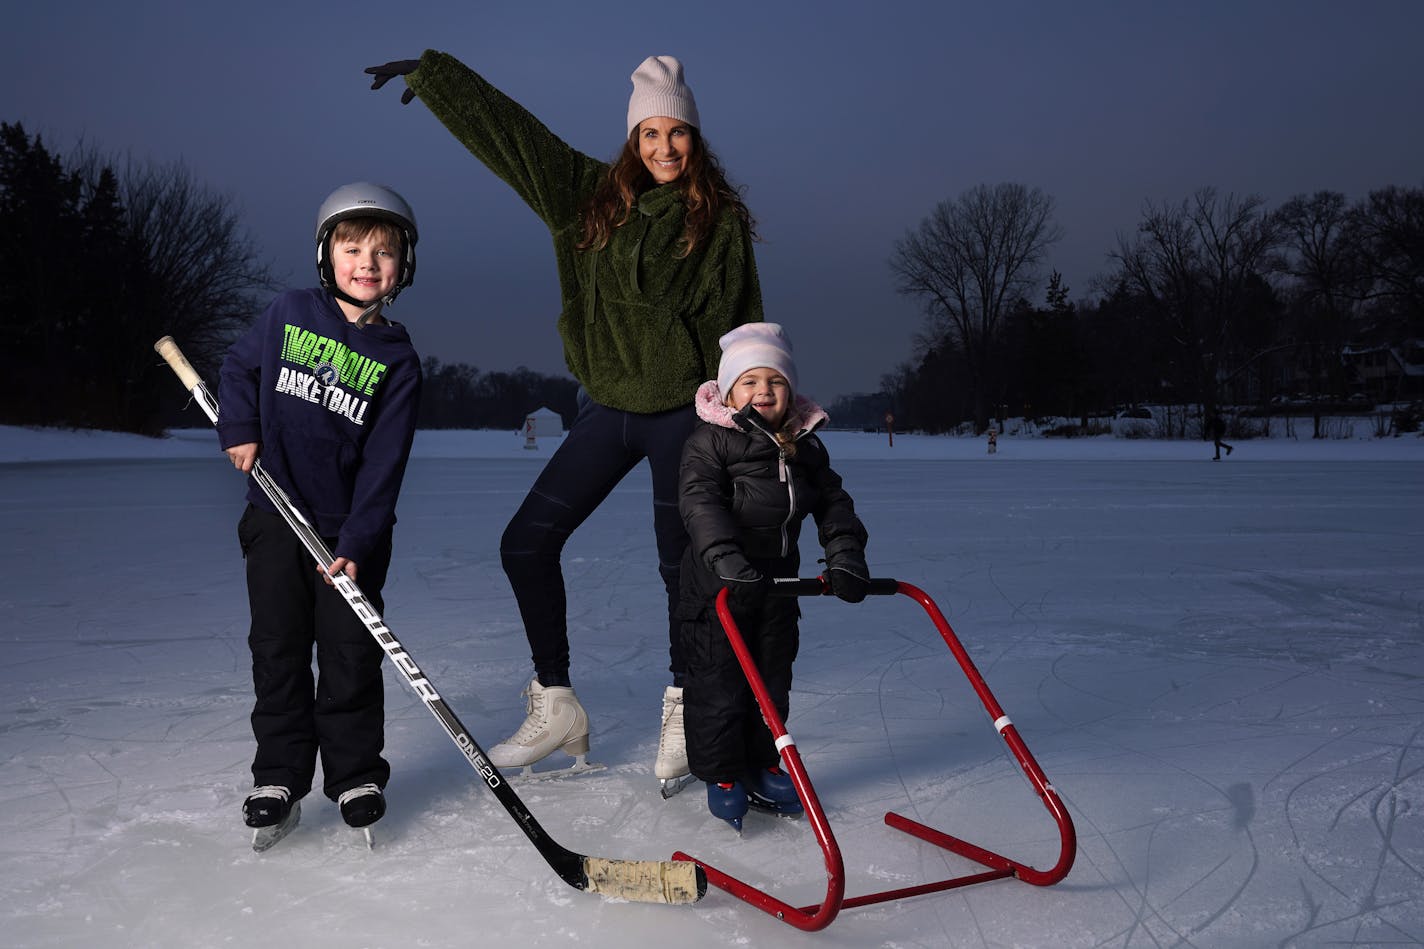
point(370, 840)
point(671, 786)
point(767, 806)
point(263, 838)
point(735, 823)
point(580, 766)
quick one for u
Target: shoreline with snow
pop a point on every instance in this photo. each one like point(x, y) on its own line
point(27, 445)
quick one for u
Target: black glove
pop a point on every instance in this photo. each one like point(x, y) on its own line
point(389, 71)
point(849, 578)
point(745, 595)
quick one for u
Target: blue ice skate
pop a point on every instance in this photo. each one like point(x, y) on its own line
point(727, 801)
point(771, 789)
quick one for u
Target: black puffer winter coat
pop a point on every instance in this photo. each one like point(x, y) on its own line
point(743, 500)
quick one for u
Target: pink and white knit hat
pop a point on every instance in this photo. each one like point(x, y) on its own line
point(752, 346)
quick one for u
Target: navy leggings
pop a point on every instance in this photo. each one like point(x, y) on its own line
point(600, 448)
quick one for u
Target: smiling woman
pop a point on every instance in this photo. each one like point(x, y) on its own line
point(655, 265)
point(663, 144)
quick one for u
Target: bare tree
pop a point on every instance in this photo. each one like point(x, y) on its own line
point(1321, 254)
point(972, 260)
point(192, 273)
point(1199, 266)
point(1389, 225)
point(201, 279)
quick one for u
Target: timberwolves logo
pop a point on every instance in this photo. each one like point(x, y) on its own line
point(325, 374)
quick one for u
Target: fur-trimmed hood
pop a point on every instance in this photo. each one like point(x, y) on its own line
point(711, 408)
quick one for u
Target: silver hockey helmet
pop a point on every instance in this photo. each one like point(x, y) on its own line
point(363, 199)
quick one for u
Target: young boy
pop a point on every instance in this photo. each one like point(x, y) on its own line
point(749, 477)
point(325, 390)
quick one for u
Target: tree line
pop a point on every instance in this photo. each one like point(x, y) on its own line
point(99, 259)
point(457, 395)
point(1214, 300)
point(97, 262)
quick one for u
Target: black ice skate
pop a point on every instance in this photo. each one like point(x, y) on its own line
point(271, 813)
point(361, 807)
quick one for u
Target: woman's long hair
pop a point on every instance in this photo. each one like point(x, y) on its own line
point(706, 192)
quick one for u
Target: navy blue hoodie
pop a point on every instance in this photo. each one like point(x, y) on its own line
point(334, 408)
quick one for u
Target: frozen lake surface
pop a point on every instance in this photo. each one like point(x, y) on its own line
point(1220, 667)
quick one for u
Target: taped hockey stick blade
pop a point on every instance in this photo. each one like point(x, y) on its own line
point(646, 881)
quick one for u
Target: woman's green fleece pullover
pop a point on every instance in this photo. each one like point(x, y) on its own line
point(640, 325)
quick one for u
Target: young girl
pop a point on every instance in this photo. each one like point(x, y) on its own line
point(654, 255)
point(749, 476)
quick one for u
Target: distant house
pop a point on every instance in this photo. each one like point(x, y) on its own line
point(1387, 373)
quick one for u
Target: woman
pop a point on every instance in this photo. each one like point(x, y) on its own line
point(654, 255)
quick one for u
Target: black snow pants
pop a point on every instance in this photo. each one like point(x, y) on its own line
point(726, 735)
point(341, 715)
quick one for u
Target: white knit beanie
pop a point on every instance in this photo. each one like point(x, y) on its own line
point(658, 89)
point(753, 346)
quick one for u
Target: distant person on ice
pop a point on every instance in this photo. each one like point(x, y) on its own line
point(654, 255)
point(1217, 426)
point(324, 389)
point(750, 475)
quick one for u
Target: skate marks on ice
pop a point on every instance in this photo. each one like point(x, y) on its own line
point(1265, 791)
point(1193, 833)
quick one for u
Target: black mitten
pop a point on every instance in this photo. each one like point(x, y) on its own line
point(849, 577)
point(385, 73)
point(745, 595)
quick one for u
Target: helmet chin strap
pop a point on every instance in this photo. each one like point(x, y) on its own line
point(369, 311)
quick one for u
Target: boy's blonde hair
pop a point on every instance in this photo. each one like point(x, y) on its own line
point(360, 228)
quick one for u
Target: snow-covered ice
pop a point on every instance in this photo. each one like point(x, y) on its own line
point(1219, 666)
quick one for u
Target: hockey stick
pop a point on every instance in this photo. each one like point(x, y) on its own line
point(646, 881)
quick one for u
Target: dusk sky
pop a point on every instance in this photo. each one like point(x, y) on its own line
point(845, 123)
